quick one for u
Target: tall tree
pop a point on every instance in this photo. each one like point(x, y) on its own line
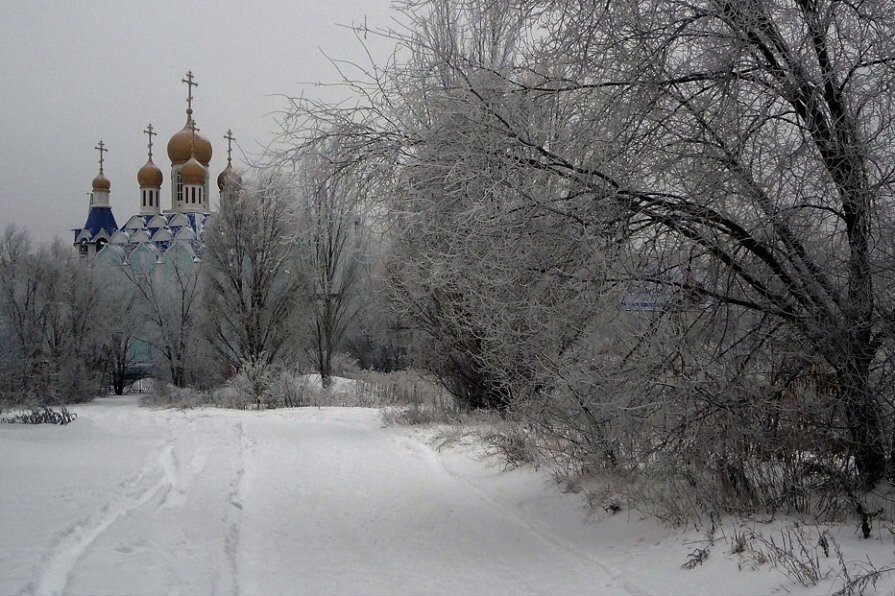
point(250, 276)
point(167, 290)
point(332, 235)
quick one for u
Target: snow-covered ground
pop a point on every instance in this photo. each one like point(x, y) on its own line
point(131, 500)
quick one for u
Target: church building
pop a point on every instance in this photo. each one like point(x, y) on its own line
point(152, 229)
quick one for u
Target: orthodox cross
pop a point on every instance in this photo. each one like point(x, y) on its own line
point(193, 130)
point(150, 134)
point(102, 149)
point(230, 138)
point(189, 84)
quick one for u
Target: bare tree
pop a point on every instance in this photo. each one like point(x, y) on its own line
point(250, 276)
point(120, 323)
point(331, 236)
point(757, 142)
point(168, 295)
point(20, 281)
point(49, 307)
point(730, 159)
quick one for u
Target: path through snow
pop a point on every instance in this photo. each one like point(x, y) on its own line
point(128, 500)
point(288, 501)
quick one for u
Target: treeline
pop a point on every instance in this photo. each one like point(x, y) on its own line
point(54, 344)
point(287, 278)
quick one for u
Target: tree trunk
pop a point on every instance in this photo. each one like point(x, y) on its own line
point(892, 457)
point(865, 430)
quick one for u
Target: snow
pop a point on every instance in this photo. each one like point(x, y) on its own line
point(317, 500)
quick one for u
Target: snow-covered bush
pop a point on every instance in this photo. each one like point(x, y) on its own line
point(43, 415)
point(258, 385)
point(400, 388)
point(165, 395)
point(286, 390)
point(159, 394)
point(252, 380)
point(345, 365)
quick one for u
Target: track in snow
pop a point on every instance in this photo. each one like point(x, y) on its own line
point(335, 504)
point(71, 543)
point(306, 501)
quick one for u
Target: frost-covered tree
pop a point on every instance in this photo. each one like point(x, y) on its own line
point(250, 277)
point(120, 323)
point(331, 238)
point(50, 308)
point(722, 167)
point(167, 292)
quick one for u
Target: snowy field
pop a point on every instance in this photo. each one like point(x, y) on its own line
point(128, 500)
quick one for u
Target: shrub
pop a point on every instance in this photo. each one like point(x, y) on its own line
point(42, 415)
point(513, 444)
point(284, 389)
point(345, 365)
point(419, 415)
point(159, 394)
point(165, 395)
point(402, 388)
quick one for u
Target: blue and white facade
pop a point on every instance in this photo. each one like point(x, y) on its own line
point(154, 230)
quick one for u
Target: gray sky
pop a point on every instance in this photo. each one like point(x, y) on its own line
point(72, 73)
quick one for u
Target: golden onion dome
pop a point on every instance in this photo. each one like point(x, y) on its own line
point(101, 182)
point(149, 176)
point(179, 150)
point(229, 179)
point(192, 172)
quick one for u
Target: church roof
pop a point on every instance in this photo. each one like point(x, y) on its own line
point(120, 237)
point(98, 219)
point(160, 231)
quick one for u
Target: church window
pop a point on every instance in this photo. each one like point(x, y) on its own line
point(179, 188)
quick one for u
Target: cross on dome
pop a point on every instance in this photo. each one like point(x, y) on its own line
point(190, 83)
point(193, 172)
point(187, 142)
point(229, 179)
point(149, 176)
point(101, 183)
point(102, 149)
point(230, 138)
point(150, 134)
point(193, 130)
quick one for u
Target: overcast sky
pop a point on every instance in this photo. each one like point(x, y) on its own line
point(72, 73)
